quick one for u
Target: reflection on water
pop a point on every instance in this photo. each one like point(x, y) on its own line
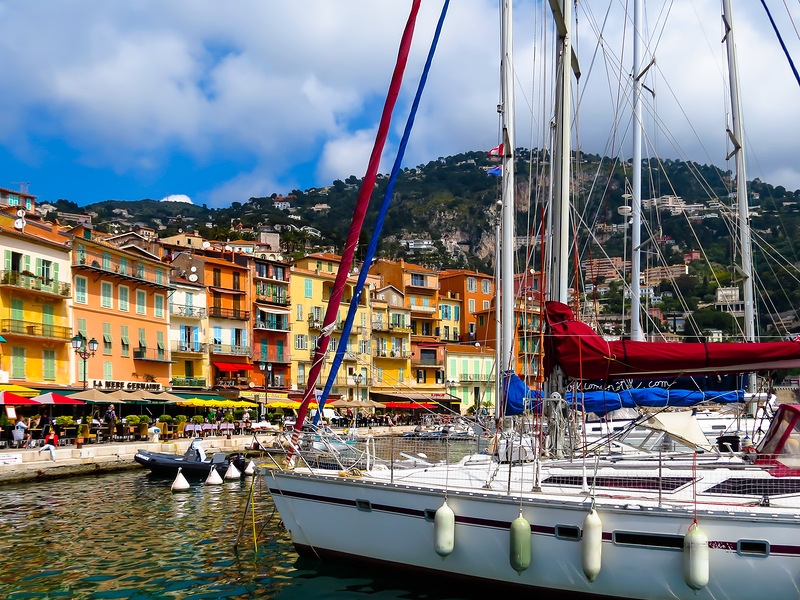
point(127, 535)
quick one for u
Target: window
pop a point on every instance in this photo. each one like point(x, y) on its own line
point(123, 265)
point(81, 252)
point(456, 313)
point(363, 346)
point(485, 305)
point(106, 292)
point(159, 276)
point(301, 342)
point(217, 277)
point(124, 295)
point(301, 374)
point(162, 354)
point(82, 329)
point(49, 360)
point(159, 306)
point(445, 311)
point(446, 335)
point(471, 306)
point(142, 337)
point(486, 286)
point(420, 375)
point(108, 371)
point(308, 288)
point(401, 375)
point(140, 270)
point(106, 261)
point(418, 280)
point(299, 312)
point(80, 290)
point(472, 284)
point(141, 302)
point(107, 339)
point(237, 281)
point(481, 320)
point(17, 362)
point(126, 343)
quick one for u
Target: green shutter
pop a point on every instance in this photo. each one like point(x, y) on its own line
point(7, 261)
point(17, 311)
point(18, 362)
point(82, 328)
point(47, 314)
point(107, 333)
point(55, 271)
point(38, 267)
point(143, 337)
point(49, 358)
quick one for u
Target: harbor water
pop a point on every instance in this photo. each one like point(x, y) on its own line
point(126, 535)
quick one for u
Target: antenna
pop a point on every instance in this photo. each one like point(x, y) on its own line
point(23, 186)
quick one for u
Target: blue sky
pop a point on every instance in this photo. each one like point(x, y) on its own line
point(220, 102)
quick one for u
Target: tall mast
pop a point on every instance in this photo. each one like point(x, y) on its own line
point(636, 203)
point(736, 134)
point(506, 243)
point(559, 272)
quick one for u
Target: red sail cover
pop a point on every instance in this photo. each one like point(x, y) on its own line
point(582, 354)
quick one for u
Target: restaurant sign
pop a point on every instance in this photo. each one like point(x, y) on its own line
point(109, 385)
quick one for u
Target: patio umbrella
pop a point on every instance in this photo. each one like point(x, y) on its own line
point(92, 395)
point(163, 397)
point(53, 398)
point(9, 399)
point(119, 396)
point(19, 390)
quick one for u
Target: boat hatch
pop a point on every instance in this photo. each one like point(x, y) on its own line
point(756, 487)
point(651, 540)
point(364, 505)
point(430, 514)
point(666, 484)
point(568, 532)
point(752, 548)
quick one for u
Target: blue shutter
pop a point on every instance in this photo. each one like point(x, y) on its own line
point(196, 338)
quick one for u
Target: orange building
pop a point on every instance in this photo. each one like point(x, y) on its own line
point(271, 316)
point(477, 292)
point(120, 298)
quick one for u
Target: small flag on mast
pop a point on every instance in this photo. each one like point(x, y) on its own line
point(496, 151)
point(495, 171)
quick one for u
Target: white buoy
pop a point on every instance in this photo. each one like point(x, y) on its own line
point(180, 484)
point(520, 547)
point(592, 545)
point(213, 477)
point(444, 530)
point(232, 472)
point(695, 558)
point(250, 468)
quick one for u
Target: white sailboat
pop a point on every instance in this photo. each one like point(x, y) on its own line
point(655, 526)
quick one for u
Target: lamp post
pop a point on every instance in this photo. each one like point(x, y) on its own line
point(269, 375)
point(84, 351)
point(451, 385)
point(357, 379)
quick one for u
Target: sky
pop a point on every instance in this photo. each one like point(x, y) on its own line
point(218, 102)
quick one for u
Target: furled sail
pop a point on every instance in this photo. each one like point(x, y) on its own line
point(584, 355)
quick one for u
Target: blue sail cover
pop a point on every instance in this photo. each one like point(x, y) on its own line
point(519, 398)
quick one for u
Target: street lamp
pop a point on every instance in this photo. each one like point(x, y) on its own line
point(80, 347)
point(269, 374)
point(451, 385)
point(358, 379)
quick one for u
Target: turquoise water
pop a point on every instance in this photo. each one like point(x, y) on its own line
point(126, 535)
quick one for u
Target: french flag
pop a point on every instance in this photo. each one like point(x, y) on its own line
point(496, 151)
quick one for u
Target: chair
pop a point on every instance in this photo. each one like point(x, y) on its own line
point(143, 427)
point(180, 430)
point(86, 433)
point(17, 437)
point(166, 432)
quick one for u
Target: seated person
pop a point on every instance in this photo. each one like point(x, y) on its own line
point(23, 425)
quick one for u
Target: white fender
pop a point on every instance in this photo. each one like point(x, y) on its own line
point(180, 484)
point(592, 545)
point(232, 472)
point(444, 530)
point(695, 558)
point(213, 477)
point(520, 549)
point(250, 469)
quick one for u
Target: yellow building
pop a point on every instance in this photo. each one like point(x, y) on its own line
point(391, 341)
point(311, 282)
point(35, 297)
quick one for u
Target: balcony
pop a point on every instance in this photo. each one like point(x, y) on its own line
point(426, 310)
point(150, 354)
point(475, 378)
point(272, 357)
point(128, 271)
point(232, 382)
point(32, 329)
point(273, 325)
point(32, 283)
point(189, 347)
point(229, 313)
point(380, 326)
point(423, 361)
point(193, 382)
point(189, 312)
point(388, 353)
point(272, 299)
point(230, 349)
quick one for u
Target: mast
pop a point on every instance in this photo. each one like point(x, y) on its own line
point(506, 109)
point(636, 202)
point(736, 134)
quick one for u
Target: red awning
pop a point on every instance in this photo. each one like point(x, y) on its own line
point(224, 366)
point(410, 405)
point(226, 291)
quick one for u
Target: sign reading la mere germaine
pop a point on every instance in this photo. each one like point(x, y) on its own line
point(128, 386)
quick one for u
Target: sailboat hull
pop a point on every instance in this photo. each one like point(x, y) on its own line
point(642, 550)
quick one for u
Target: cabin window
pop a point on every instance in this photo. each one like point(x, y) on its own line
point(364, 505)
point(650, 540)
point(568, 532)
point(752, 548)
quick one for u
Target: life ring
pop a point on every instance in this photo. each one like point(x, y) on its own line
point(446, 419)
